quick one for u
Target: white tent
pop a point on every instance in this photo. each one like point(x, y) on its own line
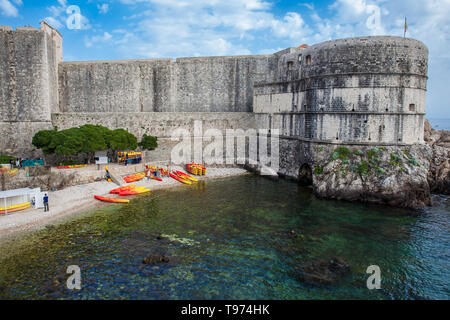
point(18, 196)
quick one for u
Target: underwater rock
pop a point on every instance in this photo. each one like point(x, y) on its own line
point(175, 238)
point(155, 258)
point(323, 271)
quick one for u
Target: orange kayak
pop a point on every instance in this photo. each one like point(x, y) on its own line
point(111, 199)
point(117, 191)
point(133, 192)
point(18, 207)
point(186, 181)
point(134, 177)
point(72, 166)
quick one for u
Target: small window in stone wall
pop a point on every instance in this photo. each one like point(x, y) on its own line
point(308, 59)
point(412, 107)
point(300, 58)
point(290, 65)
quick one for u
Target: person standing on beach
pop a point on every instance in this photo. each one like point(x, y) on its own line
point(46, 203)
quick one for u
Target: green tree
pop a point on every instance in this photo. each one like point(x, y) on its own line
point(122, 140)
point(149, 142)
point(68, 142)
point(42, 140)
point(93, 139)
point(87, 138)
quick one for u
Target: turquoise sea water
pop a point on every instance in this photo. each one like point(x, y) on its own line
point(231, 239)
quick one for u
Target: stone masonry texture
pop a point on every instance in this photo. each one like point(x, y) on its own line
point(357, 91)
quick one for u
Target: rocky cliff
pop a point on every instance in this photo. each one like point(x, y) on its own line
point(402, 176)
point(395, 176)
point(439, 171)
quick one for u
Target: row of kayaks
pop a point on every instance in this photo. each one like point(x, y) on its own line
point(14, 208)
point(128, 190)
point(182, 177)
point(8, 172)
point(196, 169)
point(175, 174)
point(72, 166)
point(131, 189)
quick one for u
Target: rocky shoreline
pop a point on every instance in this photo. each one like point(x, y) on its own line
point(399, 176)
point(79, 198)
point(439, 171)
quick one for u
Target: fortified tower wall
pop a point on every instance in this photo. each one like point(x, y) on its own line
point(29, 60)
point(367, 90)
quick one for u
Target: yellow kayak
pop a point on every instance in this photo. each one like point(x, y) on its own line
point(176, 177)
point(14, 208)
point(132, 192)
point(186, 176)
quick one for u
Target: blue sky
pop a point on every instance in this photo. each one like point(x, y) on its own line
point(130, 29)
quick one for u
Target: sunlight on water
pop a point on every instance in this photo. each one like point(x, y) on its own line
point(236, 238)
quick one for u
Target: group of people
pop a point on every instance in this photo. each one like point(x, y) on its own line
point(44, 199)
point(17, 163)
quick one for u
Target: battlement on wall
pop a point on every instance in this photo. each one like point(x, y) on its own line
point(44, 26)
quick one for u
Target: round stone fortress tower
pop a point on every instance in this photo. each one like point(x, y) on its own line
point(368, 90)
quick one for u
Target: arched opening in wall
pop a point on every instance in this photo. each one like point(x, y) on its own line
point(308, 59)
point(290, 65)
point(412, 107)
point(305, 175)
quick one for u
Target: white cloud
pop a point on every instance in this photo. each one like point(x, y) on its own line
point(292, 26)
point(205, 27)
point(92, 41)
point(8, 9)
point(103, 9)
point(62, 15)
point(53, 22)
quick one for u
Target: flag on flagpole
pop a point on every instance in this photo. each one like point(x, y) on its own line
point(406, 27)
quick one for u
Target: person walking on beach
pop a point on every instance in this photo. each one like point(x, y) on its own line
point(46, 203)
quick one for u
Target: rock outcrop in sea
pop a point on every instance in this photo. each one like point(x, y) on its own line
point(395, 176)
point(401, 176)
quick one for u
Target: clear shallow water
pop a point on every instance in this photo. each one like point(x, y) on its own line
point(232, 240)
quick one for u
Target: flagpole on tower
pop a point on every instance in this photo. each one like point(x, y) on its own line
point(406, 27)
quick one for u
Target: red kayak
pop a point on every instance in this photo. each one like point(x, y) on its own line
point(186, 181)
point(118, 190)
point(111, 199)
point(133, 192)
point(186, 176)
